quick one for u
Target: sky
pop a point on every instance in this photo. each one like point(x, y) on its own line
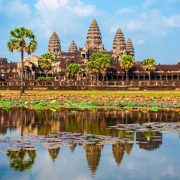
point(153, 25)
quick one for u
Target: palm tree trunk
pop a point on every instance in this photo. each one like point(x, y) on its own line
point(22, 73)
point(103, 77)
point(126, 75)
point(149, 74)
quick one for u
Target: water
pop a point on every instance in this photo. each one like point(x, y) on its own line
point(81, 145)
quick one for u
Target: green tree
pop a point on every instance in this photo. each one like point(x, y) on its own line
point(73, 71)
point(104, 62)
point(22, 40)
point(95, 56)
point(98, 63)
point(92, 67)
point(149, 66)
point(126, 62)
point(21, 159)
point(46, 61)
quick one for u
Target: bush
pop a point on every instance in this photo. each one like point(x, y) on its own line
point(40, 78)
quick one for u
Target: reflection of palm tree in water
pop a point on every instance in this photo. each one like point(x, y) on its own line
point(21, 159)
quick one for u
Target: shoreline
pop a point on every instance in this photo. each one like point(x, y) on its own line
point(92, 100)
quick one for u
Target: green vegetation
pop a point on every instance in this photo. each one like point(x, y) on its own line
point(98, 63)
point(46, 62)
point(149, 66)
point(21, 159)
point(22, 40)
point(41, 99)
point(41, 78)
point(126, 62)
point(73, 71)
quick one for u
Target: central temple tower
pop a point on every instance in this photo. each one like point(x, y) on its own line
point(93, 40)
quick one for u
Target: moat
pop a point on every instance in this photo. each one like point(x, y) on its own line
point(71, 144)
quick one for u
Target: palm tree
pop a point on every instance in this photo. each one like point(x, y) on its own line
point(126, 62)
point(21, 159)
point(22, 40)
point(73, 70)
point(46, 62)
point(92, 67)
point(105, 62)
point(149, 65)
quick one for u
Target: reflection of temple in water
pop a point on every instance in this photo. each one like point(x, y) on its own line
point(88, 122)
point(53, 152)
point(72, 147)
point(118, 152)
point(93, 155)
point(85, 122)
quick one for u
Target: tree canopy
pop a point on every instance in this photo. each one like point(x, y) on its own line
point(98, 63)
point(46, 61)
point(73, 70)
point(126, 62)
point(149, 65)
point(22, 39)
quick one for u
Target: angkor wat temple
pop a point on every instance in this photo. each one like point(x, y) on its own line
point(168, 75)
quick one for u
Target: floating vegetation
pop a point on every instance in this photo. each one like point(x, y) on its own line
point(67, 139)
point(92, 104)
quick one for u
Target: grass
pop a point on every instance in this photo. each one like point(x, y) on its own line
point(44, 99)
point(96, 93)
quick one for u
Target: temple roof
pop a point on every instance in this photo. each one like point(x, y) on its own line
point(54, 43)
point(94, 38)
point(119, 45)
point(129, 47)
point(73, 47)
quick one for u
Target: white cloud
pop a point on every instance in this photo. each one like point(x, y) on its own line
point(15, 8)
point(76, 7)
point(51, 4)
point(127, 10)
point(60, 15)
point(173, 21)
point(135, 25)
point(149, 3)
point(141, 42)
point(84, 10)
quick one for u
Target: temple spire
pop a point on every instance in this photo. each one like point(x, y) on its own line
point(129, 47)
point(119, 46)
point(54, 45)
point(73, 47)
point(94, 38)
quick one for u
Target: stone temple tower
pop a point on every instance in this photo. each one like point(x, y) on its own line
point(129, 47)
point(93, 40)
point(54, 45)
point(119, 45)
point(73, 47)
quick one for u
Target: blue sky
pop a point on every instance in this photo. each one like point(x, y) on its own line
point(153, 25)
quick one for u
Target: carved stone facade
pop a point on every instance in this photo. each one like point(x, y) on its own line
point(73, 47)
point(81, 55)
point(119, 45)
point(54, 45)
